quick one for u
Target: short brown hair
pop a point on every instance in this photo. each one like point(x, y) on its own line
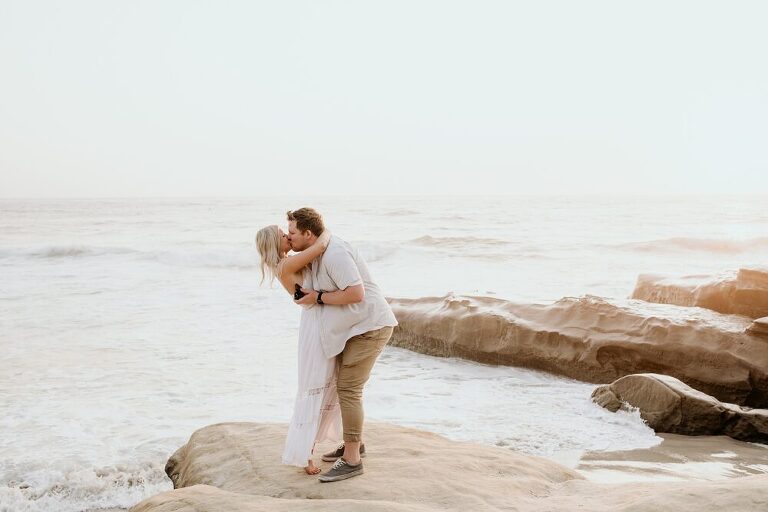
point(307, 219)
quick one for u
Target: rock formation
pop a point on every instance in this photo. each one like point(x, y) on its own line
point(759, 327)
point(743, 293)
point(593, 340)
point(235, 467)
point(668, 405)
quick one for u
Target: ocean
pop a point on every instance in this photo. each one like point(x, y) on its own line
point(126, 324)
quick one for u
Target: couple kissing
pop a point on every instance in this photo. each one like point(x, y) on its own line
point(345, 324)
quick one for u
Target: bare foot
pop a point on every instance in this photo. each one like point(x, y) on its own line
point(311, 469)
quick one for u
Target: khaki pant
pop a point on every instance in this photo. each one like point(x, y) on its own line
point(355, 363)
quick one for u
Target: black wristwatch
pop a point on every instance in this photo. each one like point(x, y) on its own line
point(320, 298)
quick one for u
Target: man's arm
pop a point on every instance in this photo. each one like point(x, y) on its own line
point(349, 295)
point(343, 270)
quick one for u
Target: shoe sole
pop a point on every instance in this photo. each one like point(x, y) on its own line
point(334, 459)
point(341, 477)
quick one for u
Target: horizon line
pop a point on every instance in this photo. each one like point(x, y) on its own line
point(451, 195)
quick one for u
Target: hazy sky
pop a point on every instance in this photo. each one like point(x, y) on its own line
point(187, 98)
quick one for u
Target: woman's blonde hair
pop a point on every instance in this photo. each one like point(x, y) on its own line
point(268, 245)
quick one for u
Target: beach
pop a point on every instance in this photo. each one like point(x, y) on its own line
point(127, 325)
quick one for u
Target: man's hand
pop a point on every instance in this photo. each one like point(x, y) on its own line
point(309, 298)
point(349, 295)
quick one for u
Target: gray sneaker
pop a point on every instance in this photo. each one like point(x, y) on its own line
point(334, 455)
point(341, 470)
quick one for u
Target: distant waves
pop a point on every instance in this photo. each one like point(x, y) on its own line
point(63, 251)
point(205, 256)
point(245, 256)
point(458, 242)
point(709, 245)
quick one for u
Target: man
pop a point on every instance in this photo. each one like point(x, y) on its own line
point(356, 324)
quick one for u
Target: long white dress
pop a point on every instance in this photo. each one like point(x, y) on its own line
point(316, 414)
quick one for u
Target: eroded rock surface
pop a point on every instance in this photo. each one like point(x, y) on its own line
point(235, 467)
point(668, 405)
point(744, 292)
point(593, 340)
point(407, 469)
point(759, 327)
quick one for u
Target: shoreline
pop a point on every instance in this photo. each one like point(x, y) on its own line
point(234, 466)
point(677, 458)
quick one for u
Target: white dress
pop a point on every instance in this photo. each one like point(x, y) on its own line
point(316, 413)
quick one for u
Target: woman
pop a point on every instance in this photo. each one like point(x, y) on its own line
point(316, 414)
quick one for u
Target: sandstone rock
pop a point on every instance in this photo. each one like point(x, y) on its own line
point(235, 467)
point(759, 327)
point(744, 292)
point(746, 494)
point(593, 340)
point(668, 405)
point(404, 468)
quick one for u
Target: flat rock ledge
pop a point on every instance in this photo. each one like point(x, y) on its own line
point(743, 292)
point(593, 340)
point(759, 327)
point(668, 405)
point(235, 467)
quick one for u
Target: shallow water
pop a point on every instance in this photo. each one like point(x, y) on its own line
point(678, 458)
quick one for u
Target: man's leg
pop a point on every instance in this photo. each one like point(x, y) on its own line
point(357, 360)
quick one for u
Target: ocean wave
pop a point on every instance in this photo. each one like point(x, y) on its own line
point(226, 258)
point(64, 251)
point(458, 242)
point(460, 218)
point(73, 489)
point(711, 245)
point(401, 212)
point(209, 258)
point(245, 257)
point(394, 212)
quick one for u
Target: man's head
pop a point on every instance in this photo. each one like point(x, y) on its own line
point(304, 226)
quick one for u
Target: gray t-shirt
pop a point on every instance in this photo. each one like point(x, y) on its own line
point(339, 267)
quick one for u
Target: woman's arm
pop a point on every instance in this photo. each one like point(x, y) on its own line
point(289, 281)
point(293, 264)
